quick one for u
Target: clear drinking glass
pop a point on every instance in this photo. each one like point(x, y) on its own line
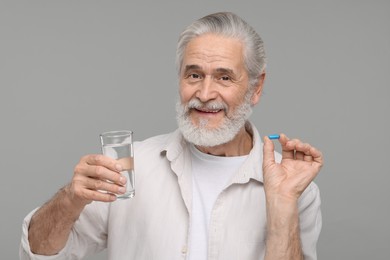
point(119, 145)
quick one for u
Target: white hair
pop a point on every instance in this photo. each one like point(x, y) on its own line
point(232, 26)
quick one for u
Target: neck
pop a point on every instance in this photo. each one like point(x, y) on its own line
point(239, 146)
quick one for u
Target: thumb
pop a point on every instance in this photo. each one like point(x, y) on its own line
point(268, 152)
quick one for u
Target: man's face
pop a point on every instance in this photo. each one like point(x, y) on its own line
point(214, 88)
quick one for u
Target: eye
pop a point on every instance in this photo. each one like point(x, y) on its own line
point(225, 78)
point(194, 76)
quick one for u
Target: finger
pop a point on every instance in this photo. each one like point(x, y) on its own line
point(287, 152)
point(306, 155)
point(317, 156)
point(98, 196)
point(98, 172)
point(302, 151)
point(104, 186)
point(102, 160)
point(308, 158)
point(268, 152)
point(299, 155)
point(102, 173)
point(79, 187)
point(104, 197)
point(292, 144)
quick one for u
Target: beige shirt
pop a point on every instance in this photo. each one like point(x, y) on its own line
point(155, 223)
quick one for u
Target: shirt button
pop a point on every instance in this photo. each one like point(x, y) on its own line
point(184, 250)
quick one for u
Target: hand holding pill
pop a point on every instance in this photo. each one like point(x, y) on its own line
point(300, 164)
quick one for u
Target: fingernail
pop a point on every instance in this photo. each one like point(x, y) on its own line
point(122, 190)
point(122, 180)
point(118, 167)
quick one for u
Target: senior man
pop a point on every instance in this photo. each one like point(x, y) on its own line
point(209, 190)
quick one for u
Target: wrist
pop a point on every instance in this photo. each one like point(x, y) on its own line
point(282, 213)
point(275, 199)
point(72, 204)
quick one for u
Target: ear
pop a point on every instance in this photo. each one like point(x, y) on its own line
point(258, 90)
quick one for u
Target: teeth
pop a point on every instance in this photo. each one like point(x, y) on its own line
point(209, 111)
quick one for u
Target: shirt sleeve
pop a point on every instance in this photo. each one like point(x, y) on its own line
point(88, 235)
point(310, 220)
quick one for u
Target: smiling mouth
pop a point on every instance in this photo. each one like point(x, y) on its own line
point(207, 111)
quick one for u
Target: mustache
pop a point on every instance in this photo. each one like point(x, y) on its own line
point(209, 105)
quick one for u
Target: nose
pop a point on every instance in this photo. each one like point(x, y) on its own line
point(206, 90)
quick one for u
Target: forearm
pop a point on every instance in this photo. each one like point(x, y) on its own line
point(283, 236)
point(51, 225)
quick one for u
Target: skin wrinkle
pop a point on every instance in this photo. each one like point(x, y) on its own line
point(214, 75)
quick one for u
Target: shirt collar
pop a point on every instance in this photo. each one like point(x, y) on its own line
point(174, 145)
point(251, 168)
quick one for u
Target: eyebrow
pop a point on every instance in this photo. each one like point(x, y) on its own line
point(225, 71)
point(219, 70)
point(192, 67)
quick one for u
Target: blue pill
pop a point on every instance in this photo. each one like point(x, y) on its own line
point(273, 137)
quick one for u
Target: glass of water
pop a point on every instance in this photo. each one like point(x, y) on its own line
point(119, 145)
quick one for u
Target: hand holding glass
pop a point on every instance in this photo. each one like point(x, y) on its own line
point(119, 145)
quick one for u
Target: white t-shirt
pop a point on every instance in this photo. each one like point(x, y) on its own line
point(210, 175)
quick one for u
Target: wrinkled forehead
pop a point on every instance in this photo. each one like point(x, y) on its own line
point(214, 51)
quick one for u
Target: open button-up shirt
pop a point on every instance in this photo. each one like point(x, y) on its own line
point(155, 223)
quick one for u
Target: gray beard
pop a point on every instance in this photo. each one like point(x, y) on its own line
point(204, 137)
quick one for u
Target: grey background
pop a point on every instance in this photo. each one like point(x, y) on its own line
point(72, 69)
